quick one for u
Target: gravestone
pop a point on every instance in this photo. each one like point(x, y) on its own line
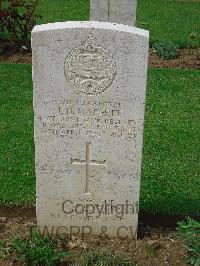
point(99, 10)
point(116, 11)
point(89, 82)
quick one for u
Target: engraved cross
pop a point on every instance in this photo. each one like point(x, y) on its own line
point(88, 162)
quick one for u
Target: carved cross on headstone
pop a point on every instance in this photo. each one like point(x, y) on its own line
point(88, 162)
point(116, 11)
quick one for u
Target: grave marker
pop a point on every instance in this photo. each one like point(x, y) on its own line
point(99, 10)
point(116, 11)
point(89, 82)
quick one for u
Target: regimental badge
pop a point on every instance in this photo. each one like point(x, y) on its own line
point(90, 67)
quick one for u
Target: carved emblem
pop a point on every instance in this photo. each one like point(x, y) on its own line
point(90, 68)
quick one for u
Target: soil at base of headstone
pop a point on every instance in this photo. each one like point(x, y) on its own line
point(158, 246)
point(188, 59)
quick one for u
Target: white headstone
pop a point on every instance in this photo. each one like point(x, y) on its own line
point(99, 10)
point(116, 11)
point(123, 11)
point(89, 83)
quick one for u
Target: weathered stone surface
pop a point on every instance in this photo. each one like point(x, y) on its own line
point(123, 11)
point(99, 10)
point(116, 11)
point(89, 83)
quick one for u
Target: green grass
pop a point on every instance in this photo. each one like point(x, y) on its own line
point(170, 181)
point(17, 180)
point(189, 233)
point(59, 10)
point(38, 250)
point(173, 20)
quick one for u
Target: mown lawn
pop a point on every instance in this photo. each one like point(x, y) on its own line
point(170, 170)
point(170, 181)
point(17, 177)
point(173, 20)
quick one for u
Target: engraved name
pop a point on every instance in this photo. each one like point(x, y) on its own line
point(93, 118)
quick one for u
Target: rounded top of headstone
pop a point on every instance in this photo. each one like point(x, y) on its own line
point(89, 25)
